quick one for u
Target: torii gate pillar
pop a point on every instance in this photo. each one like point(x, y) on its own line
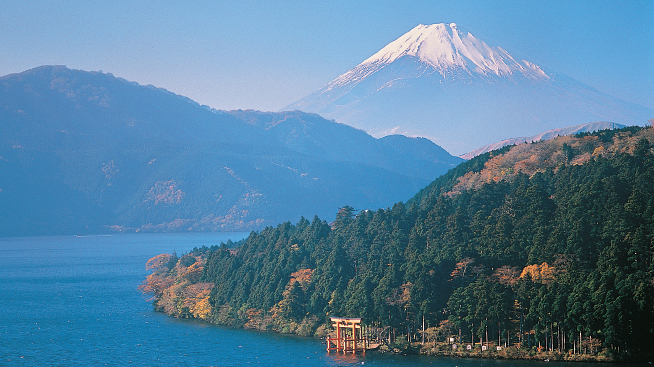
point(349, 336)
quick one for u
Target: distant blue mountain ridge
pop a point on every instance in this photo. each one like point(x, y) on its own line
point(87, 152)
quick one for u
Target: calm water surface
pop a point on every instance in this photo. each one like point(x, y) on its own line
point(74, 301)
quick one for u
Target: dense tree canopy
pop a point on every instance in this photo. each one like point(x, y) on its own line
point(556, 255)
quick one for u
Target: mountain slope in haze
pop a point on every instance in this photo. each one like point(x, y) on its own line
point(82, 152)
point(441, 82)
point(550, 134)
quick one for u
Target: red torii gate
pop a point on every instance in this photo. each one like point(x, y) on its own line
point(348, 336)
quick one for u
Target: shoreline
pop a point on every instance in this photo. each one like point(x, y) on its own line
point(320, 332)
point(514, 353)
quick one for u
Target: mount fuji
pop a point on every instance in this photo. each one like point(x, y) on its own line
point(440, 82)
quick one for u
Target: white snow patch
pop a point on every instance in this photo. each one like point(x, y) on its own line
point(447, 48)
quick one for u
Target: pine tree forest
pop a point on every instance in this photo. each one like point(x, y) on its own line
point(536, 248)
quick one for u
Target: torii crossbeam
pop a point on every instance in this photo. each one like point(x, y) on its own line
point(349, 336)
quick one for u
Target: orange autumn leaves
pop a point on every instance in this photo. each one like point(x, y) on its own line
point(531, 158)
point(297, 284)
point(507, 275)
point(177, 290)
point(542, 273)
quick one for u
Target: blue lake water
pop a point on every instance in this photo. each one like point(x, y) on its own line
point(70, 300)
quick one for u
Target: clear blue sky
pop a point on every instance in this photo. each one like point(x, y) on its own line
point(266, 54)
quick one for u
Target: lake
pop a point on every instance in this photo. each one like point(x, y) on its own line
point(70, 300)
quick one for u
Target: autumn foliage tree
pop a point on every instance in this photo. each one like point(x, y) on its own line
point(540, 245)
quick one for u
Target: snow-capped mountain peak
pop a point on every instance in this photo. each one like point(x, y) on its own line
point(440, 82)
point(446, 48)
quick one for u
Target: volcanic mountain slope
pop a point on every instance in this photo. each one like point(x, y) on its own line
point(440, 82)
point(85, 152)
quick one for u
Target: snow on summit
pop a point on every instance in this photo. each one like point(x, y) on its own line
point(446, 48)
point(442, 83)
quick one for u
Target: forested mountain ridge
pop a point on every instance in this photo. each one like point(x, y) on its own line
point(546, 135)
point(509, 162)
point(87, 152)
point(555, 255)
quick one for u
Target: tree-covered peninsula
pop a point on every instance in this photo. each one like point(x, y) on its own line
point(541, 249)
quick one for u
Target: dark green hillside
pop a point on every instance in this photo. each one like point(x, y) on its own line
point(546, 245)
